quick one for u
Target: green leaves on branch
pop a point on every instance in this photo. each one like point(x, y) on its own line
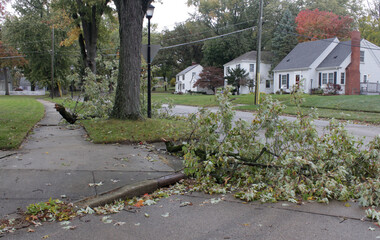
point(298, 162)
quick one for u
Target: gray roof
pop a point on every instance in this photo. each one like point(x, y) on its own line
point(304, 54)
point(266, 57)
point(337, 56)
point(188, 69)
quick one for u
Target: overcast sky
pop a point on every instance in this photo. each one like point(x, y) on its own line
point(171, 12)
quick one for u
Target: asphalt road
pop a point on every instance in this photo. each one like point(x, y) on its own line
point(357, 130)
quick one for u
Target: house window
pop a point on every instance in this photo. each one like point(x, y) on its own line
point(193, 74)
point(284, 80)
point(331, 78)
point(228, 69)
point(267, 83)
point(237, 65)
point(342, 78)
point(251, 67)
point(183, 77)
point(365, 78)
point(324, 78)
point(362, 56)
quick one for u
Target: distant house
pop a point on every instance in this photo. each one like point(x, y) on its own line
point(247, 61)
point(186, 79)
point(319, 63)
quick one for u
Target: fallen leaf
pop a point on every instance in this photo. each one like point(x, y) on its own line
point(63, 196)
point(139, 204)
point(69, 227)
point(184, 204)
point(119, 223)
point(149, 202)
point(115, 181)
point(45, 237)
point(285, 205)
point(371, 229)
point(65, 223)
point(146, 215)
point(215, 201)
point(165, 215)
point(106, 219)
point(347, 205)
point(30, 230)
point(246, 224)
point(137, 224)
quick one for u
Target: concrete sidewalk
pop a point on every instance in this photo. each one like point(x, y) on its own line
point(57, 161)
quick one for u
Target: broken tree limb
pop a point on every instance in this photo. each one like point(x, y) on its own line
point(170, 147)
point(70, 118)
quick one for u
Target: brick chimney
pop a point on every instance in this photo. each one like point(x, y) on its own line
point(353, 69)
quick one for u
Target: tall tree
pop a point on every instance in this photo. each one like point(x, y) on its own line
point(352, 8)
point(210, 78)
point(87, 15)
point(31, 34)
point(284, 38)
point(9, 58)
point(321, 25)
point(127, 100)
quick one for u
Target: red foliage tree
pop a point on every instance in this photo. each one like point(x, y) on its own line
point(211, 78)
point(321, 25)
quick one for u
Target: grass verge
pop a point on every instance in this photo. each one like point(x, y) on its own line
point(128, 131)
point(18, 115)
point(368, 117)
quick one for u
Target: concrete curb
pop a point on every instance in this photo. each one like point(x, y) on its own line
point(129, 191)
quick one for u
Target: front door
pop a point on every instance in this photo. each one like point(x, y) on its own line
point(297, 80)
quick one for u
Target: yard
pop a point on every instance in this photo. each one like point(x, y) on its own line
point(357, 107)
point(18, 114)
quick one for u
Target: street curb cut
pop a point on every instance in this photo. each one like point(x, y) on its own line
point(129, 191)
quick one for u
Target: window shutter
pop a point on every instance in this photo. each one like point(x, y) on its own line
point(287, 81)
point(320, 79)
point(279, 81)
point(335, 76)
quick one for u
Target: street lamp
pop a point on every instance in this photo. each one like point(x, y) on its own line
point(149, 15)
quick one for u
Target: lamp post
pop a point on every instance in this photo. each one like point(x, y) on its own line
point(149, 15)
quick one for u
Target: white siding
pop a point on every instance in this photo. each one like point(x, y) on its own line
point(264, 75)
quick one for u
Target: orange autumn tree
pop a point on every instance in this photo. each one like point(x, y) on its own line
point(9, 58)
point(317, 24)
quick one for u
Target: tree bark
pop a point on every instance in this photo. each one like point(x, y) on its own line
point(127, 100)
point(6, 81)
point(90, 25)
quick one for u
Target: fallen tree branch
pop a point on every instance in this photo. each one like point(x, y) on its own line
point(70, 118)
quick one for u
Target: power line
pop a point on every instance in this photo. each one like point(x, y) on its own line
point(206, 39)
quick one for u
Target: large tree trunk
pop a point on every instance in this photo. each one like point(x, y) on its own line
point(127, 100)
point(6, 81)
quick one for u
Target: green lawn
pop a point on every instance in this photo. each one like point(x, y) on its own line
point(356, 108)
point(18, 115)
point(186, 99)
point(128, 131)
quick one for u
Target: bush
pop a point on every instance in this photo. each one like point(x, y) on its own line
point(332, 89)
point(317, 91)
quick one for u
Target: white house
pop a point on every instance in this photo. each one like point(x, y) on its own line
point(247, 61)
point(186, 79)
point(329, 61)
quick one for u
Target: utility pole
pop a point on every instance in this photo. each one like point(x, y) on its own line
point(258, 57)
point(52, 63)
